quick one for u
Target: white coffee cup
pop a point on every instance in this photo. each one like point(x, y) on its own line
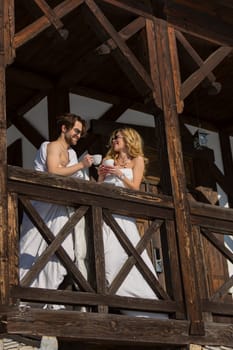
point(97, 158)
point(108, 162)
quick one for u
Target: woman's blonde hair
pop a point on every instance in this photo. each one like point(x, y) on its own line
point(133, 142)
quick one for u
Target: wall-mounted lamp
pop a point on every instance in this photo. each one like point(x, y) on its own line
point(200, 139)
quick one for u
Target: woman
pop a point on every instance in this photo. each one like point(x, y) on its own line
point(126, 149)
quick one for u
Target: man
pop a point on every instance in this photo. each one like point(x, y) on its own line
point(56, 157)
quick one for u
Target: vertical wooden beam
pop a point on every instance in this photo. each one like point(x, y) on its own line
point(153, 62)
point(97, 223)
point(165, 182)
point(175, 69)
point(165, 178)
point(13, 227)
point(171, 263)
point(227, 160)
point(9, 25)
point(202, 266)
point(58, 103)
point(176, 164)
point(4, 277)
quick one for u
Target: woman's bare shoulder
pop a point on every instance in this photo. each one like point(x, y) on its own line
point(138, 160)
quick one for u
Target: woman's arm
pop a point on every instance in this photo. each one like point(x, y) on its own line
point(138, 170)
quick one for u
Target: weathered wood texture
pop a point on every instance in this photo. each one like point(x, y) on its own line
point(202, 19)
point(12, 249)
point(4, 57)
point(123, 54)
point(177, 179)
point(119, 51)
point(42, 23)
point(116, 329)
point(101, 300)
point(101, 42)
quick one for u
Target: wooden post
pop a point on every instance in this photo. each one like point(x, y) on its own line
point(165, 178)
point(5, 58)
point(175, 157)
point(96, 223)
point(13, 226)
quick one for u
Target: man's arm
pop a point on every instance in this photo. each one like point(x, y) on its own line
point(54, 165)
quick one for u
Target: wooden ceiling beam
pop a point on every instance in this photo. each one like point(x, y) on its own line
point(110, 115)
point(206, 20)
point(28, 79)
point(52, 17)
point(116, 111)
point(216, 87)
point(32, 102)
point(199, 75)
point(43, 23)
point(193, 120)
point(133, 6)
point(95, 94)
point(185, 14)
point(109, 98)
point(16, 118)
point(125, 33)
point(28, 130)
point(126, 59)
point(76, 73)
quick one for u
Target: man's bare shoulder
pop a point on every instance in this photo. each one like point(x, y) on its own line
point(54, 146)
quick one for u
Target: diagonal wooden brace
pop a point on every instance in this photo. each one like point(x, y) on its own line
point(52, 17)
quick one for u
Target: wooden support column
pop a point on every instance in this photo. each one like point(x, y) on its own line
point(5, 58)
point(175, 157)
point(96, 223)
point(165, 178)
point(58, 103)
point(227, 161)
point(13, 226)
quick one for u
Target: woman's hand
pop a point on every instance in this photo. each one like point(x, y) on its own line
point(113, 170)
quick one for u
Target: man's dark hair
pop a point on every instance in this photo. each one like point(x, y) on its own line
point(69, 119)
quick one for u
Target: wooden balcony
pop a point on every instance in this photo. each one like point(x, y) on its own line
point(103, 321)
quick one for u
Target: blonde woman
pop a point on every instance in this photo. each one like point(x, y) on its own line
point(126, 151)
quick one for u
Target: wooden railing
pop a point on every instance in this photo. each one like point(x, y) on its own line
point(98, 203)
point(211, 226)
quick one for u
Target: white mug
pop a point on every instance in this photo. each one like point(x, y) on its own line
point(97, 158)
point(108, 162)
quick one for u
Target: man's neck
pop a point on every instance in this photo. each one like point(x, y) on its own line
point(63, 143)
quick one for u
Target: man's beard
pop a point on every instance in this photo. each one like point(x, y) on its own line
point(69, 140)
